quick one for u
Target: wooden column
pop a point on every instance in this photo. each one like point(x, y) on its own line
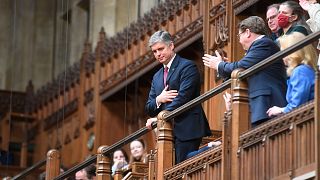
point(103, 171)
point(317, 122)
point(83, 151)
point(24, 154)
point(96, 92)
point(225, 170)
point(118, 175)
point(240, 119)
point(206, 47)
point(53, 164)
point(6, 131)
point(151, 170)
point(165, 146)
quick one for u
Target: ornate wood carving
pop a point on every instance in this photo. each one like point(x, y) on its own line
point(277, 125)
point(132, 68)
point(88, 96)
point(218, 20)
point(241, 5)
point(90, 116)
point(195, 163)
point(59, 115)
point(13, 100)
point(67, 139)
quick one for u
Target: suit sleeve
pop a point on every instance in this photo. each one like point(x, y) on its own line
point(151, 105)
point(188, 88)
point(300, 91)
point(260, 50)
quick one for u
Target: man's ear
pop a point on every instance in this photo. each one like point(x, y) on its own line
point(171, 45)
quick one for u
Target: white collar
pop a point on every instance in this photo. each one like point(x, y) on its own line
point(170, 62)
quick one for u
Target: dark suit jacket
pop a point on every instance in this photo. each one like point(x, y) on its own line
point(184, 77)
point(267, 88)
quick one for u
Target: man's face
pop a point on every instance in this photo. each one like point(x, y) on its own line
point(81, 175)
point(163, 52)
point(242, 36)
point(272, 19)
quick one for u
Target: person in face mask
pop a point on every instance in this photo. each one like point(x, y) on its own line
point(291, 19)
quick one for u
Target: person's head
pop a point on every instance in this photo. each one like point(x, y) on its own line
point(162, 46)
point(306, 55)
point(272, 17)
point(249, 29)
point(119, 155)
point(88, 173)
point(137, 149)
point(290, 13)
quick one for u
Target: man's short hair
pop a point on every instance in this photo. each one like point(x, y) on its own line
point(255, 24)
point(160, 36)
point(91, 171)
point(277, 6)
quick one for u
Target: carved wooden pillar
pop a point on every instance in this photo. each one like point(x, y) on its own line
point(151, 170)
point(165, 146)
point(96, 92)
point(103, 171)
point(24, 154)
point(225, 170)
point(118, 175)
point(53, 164)
point(317, 122)
point(240, 119)
point(206, 45)
point(84, 72)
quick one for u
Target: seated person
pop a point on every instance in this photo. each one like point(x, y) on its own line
point(88, 173)
point(301, 66)
point(210, 145)
point(119, 160)
point(227, 100)
point(138, 151)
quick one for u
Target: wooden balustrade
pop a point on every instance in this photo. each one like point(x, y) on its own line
point(164, 146)
point(53, 164)
point(103, 171)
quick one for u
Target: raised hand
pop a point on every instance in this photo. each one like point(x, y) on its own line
point(212, 61)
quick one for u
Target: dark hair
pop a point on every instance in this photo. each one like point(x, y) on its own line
point(255, 24)
point(298, 11)
point(124, 154)
point(91, 171)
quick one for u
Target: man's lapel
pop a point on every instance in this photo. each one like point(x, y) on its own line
point(173, 67)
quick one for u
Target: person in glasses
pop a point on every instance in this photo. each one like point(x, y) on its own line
point(267, 87)
point(272, 20)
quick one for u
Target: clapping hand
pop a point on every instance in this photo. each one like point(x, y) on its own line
point(212, 61)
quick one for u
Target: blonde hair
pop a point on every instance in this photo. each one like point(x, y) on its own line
point(306, 55)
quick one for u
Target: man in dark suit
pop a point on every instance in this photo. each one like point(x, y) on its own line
point(175, 84)
point(266, 87)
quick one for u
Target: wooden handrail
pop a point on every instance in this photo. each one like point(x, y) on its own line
point(29, 170)
point(281, 54)
point(245, 74)
point(200, 99)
